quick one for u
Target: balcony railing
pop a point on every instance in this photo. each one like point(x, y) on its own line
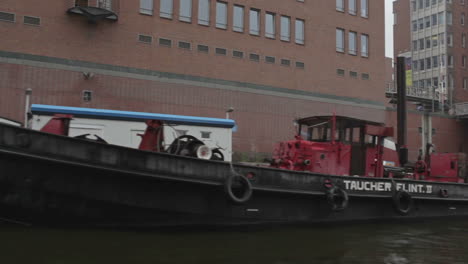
point(414, 92)
point(95, 10)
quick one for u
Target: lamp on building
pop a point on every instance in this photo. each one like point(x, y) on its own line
point(229, 110)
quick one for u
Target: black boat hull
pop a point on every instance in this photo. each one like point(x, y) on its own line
point(55, 180)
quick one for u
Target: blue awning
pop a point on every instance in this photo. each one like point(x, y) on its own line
point(131, 116)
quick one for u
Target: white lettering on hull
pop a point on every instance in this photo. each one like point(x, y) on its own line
point(353, 185)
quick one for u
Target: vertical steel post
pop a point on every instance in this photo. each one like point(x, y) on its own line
point(401, 110)
point(27, 104)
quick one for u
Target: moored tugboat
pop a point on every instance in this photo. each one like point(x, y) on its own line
point(336, 169)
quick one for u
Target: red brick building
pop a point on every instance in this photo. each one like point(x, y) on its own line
point(272, 61)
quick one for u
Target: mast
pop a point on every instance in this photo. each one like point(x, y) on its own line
point(401, 110)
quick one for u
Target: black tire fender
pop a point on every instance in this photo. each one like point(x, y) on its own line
point(403, 202)
point(337, 198)
point(231, 190)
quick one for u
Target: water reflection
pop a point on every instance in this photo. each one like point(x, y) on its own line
point(428, 242)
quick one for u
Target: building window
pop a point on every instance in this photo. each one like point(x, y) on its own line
point(450, 60)
point(464, 61)
point(270, 25)
point(353, 74)
point(237, 54)
point(352, 7)
point(299, 31)
point(427, 21)
point(184, 45)
point(428, 3)
point(285, 62)
point(415, 66)
point(364, 45)
point(449, 18)
point(340, 5)
point(435, 82)
point(165, 42)
point(203, 48)
point(435, 61)
point(415, 25)
point(254, 57)
point(300, 65)
point(204, 12)
point(450, 40)
point(420, 24)
point(165, 9)
point(364, 8)
point(145, 38)
point(413, 6)
point(352, 39)
point(462, 19)
point(221, 51)
point(435, 40)
point(340, 72)
point(221, 15)
point(421, 65)
point(185, 10)
point(146, 7)
point(285, 34)
point(254, 25)
point(420, 4)
point(9, 17)
point(365, 76)
point(34, 21)
point(434, 19)
point(421, 44)
point(428, 42)
point(415, 45)
point(441, 18)
point(428, 63)
point(463, 39)
point(238, 19)
point(442, 38)
point(465, 83)
point(270, 59)
point(87, 96)
point(340, 40)
point(442, 60)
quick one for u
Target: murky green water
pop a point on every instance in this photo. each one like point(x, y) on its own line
point(440, 242)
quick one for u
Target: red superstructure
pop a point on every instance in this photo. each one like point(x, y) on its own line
point(344, 146)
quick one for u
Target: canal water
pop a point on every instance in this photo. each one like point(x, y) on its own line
point(441, 242)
